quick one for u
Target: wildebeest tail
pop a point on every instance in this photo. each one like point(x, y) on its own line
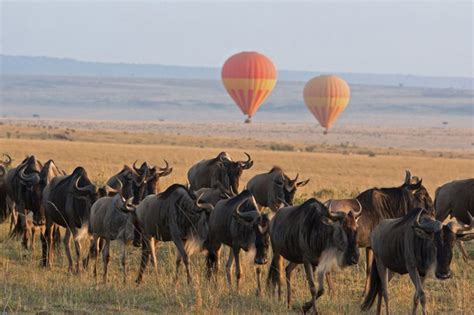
point(211, 262)
point(274, 272)
point(18, 229)
point(374, 289)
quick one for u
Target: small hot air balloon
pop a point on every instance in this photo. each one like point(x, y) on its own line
point(326, 97)
point(249, 77)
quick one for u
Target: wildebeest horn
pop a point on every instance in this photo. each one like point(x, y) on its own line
point(462, 229)
point(32, 178)
point(284, 202)
point(249, 216)
point(89, 188)
point(357, 213)
point(407, 177)
point(127, 204)
point(135, 166)
point(164, 171)
point(296, 178)
point(336, 216)
point(247, 164)
point(206, 206)
point(8, 161)
point(110, 189)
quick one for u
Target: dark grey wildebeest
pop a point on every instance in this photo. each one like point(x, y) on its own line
point(456, 199)
point(221, 172)
point(237, 223)
point(67, 201)
point(309, 234)
point(173, 215)
point(384, 203)
point(416, 244)
point(274, 189)
point(112, 218)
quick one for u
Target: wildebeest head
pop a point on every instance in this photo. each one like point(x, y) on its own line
point(247, 213)
point(289, 187)
point(421, 197)
point(152, 180)
point(233, 169)
point(345, 234)
point(445, 239)
point(203, 210)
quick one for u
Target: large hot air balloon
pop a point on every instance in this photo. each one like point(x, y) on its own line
point(326, 97)
point(249, 77)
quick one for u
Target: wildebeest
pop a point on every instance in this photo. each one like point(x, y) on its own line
point(416, 244)
point(67, 201)
point(456, 198)
point(220, 171)
point(5, 209)
point(311, 235)
point(24, 192)
point(173, 215)
point(274, 188)
point(112, 218)
point(237, 223)
point(385, 203)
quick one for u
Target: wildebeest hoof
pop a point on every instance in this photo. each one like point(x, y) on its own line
point(307, 306)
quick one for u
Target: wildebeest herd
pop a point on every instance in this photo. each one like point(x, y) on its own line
point(401, 228)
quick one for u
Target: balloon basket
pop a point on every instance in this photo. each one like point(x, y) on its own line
point(325, 132)
point(248, 121)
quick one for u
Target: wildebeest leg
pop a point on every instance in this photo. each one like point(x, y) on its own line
point(383, 273)
point(123, 246)
point(465, 256)
point(106, 259)
point(258, 272)
point(66, 241)
point(330, 284)
point(310, 278)
point(228, 268)
point(177, 264)
point(152, 246)
point(144, 260)
point(415, 298)
point(419, 293)
point(49, 254)
point(238, 271)
point(77, 247)
point(369, 256)
point(182, 251)
point(94, 253)
point(289, 268)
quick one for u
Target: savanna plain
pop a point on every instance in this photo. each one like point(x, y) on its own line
point(338, 171)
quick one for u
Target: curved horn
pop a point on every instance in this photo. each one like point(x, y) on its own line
point(31, 178)
point(358, 213)
point(247, 164)
point(417, 220)
point(89, 188)
point(135, 166)
point(164, 171)
point(339, 216)
point(249, 216)
point(206, 206)
point(128, 205)
point(8, 161)
point(284, 202)
point(296, 178)
point(407, 177)
point(460, 229)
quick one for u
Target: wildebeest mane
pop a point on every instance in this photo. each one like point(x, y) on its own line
point(171, 189)
point(385, 203)
point(276, 168)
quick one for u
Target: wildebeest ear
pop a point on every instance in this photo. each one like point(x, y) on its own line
point(302, 183)
point(415, 186)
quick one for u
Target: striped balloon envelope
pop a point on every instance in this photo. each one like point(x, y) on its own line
point(326, 98)
point(249, 77)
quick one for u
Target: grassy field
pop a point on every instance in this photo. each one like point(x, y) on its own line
point(27, 288)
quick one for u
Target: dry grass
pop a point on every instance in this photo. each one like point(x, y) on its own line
point(26, 287)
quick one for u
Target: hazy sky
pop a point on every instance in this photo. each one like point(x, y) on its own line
point(423, 38)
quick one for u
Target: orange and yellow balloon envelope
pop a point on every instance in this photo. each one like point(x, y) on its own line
point(326, 98)
point(249, 77)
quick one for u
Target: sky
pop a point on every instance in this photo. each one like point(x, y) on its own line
point(419, 38)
